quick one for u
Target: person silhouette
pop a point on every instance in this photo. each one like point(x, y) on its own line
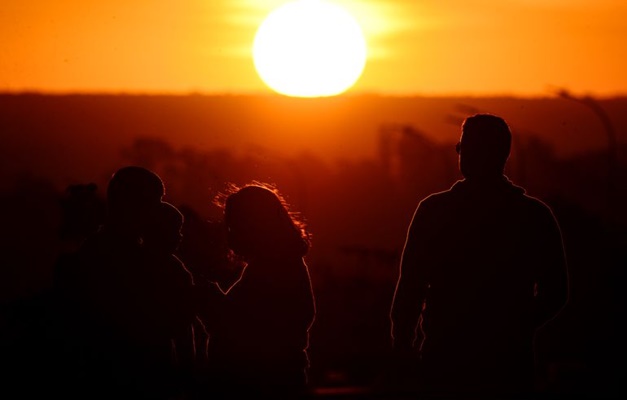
point(166, 308)
point(483, 267)
point(259, 328)
point(82, 212)
point(96, 292)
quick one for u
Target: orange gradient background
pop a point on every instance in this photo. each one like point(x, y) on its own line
point(455, 47)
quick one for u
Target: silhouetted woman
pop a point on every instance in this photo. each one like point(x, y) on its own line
point(259, 331)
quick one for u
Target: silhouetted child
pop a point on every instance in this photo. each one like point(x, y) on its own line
point(259, 331)
point(168, 305)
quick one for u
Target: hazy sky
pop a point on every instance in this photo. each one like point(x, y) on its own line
point(441, 47)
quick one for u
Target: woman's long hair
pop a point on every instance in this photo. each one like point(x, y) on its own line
point(260, 223)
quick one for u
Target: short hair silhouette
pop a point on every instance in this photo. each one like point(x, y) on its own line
point(132, 187)
point(484, 146)
point(259, 222)
point(483, 267)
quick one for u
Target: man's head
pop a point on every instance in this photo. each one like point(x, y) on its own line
point(132, 194)
point(484, 146)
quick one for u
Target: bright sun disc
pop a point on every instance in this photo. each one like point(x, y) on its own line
point(309, 48)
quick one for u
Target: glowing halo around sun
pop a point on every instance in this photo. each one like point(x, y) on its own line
point(309, 48)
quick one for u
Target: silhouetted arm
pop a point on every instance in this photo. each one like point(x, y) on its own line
point(186, 348)
point(411, 287)
point(310, 300)
point(551, 290)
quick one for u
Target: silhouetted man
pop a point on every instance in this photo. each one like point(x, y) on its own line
point(483, 267)
point(99, 296)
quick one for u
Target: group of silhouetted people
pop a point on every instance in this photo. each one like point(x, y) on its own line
point(135, 325)
point(483, 268)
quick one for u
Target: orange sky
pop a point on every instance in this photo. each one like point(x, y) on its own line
point(429, 47)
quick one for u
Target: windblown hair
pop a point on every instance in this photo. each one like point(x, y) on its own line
point(259, 221)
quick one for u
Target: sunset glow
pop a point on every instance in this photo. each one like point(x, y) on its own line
point(487, 47)
point(309, 48)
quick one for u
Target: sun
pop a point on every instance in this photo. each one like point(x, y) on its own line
point(309, 48)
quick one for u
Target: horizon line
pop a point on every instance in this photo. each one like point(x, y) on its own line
point(553, 93)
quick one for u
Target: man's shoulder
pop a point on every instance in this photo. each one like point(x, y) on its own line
point(439, 198)
point(458, 194)
point(538, 207)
